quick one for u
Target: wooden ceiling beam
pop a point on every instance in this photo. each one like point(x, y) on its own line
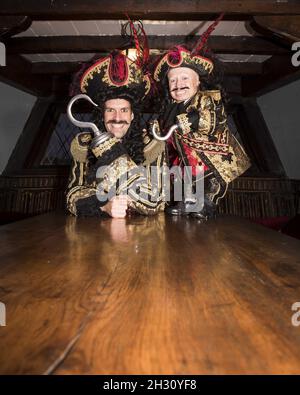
point(146, 9)
point(89, 44)
point(277, 71)
point(17, 73)
point(56, 68)
point(11, 25)
point(284, 28)
point(242, 68)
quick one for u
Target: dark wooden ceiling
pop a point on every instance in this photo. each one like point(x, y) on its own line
point(146, 9)
point(274, 26)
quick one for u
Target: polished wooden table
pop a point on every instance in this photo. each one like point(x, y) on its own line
point(145, 295)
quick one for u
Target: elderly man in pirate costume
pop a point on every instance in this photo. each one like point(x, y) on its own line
point(202, 137)
point(116, 85)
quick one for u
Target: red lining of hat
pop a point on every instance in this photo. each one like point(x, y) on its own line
point(98, 63)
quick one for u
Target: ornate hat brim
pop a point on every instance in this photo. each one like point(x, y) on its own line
point(203, 66)
point(99, 78)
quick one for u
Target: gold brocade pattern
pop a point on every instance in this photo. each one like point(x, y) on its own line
point(225, 153)
point(107, 145)
point(80, 146)
point(153, 149)
point(76, 193)
point(239, 161)
point(198, 145)
point(122, 174)
point(204, 122)
point(184, 123)
point(115, 171)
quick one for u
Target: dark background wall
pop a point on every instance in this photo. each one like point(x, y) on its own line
point(15, 108)
point(281, 111)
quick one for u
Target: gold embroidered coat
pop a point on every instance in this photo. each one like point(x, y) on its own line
point(120, 175)
point(203, 137)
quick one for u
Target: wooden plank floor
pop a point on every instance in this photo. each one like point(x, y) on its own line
point(145, 295)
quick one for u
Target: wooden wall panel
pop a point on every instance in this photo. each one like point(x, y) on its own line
point(246, 197)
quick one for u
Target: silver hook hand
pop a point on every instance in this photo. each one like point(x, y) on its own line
point(82, 124)
point(168, 135)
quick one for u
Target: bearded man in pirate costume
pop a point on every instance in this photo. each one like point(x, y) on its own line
point(116, 85)
point(202, 137)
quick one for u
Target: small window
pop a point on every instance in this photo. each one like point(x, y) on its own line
point(58, 150)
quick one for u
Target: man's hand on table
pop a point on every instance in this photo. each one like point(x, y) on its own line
point(117, 206)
